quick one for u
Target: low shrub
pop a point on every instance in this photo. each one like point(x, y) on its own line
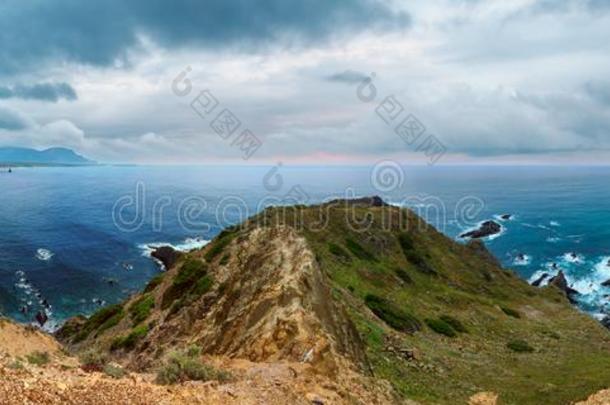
point(140, 309)
point(93, 360)
point(219, 244)
point(511, 312)
point(15, 365)
point(114, 371)
point(405, 241)
point(456, 324)
point(224, 259)
point(154, 282)
point(130, 341)
point(404, 276)
point(519, 346)
point(189, 274)
point(186, 365)
point(100, 321)
point(38, 358)
point(441, 327)
point(339, 252)
point(392, 315)
point(413, 256)
point(358, 251)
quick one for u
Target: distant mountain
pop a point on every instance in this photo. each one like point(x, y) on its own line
point(51, 156)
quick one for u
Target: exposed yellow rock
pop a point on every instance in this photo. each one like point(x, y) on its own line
point(599, 398)
point(483, 398)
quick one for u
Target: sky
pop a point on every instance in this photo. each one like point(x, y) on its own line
point(310, 81)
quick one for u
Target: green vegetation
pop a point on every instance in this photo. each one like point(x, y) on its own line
point(392, 315)
point(224, 260)
point(186, 365)
point(440, 326)
point(191, 282)
point(100, 321)
point(413, 256)
point(339, 252)
point(520, 346)
point(456, 324)
point(358, 251)
point(511, 312)
point(404, 276)
point(38, 358)
point(219, 244)
point(140, 309)
point(16, 365)
point(93, 358)
point(114, 371)
point(154, 282)
point(130, 341)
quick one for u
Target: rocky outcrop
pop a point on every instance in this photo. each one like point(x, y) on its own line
point(487, 228)
point(560, 282)
point(167, 255)
point(540, 279)
point(276, 304)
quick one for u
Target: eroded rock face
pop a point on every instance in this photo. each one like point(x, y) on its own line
point(560, 282)
point(167, 255)
point(277, 305)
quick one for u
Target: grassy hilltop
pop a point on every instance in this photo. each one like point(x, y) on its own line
point(361, 286)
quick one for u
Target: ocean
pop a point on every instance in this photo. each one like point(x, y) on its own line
point(75, 238)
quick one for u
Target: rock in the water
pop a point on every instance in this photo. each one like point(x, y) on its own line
point(166, 255)
point(506, 217)
point(606, 283)
point(42, 318)
point(606, 322)
point(560, 282)
point(487, 228)
point(540, 279)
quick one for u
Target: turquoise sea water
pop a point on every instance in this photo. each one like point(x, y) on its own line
point(72, 239)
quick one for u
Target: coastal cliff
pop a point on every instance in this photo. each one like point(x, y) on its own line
point(346, 302)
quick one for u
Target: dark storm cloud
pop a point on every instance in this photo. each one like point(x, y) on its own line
point(98, 33)
point(52, 92)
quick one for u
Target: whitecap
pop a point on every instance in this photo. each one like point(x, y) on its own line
point(44, 254)
point(553, 239)
point(554, 223)
point(522, 260)
point(188, 245)
point(602, 268)
point(539, 274)
point(574, 258)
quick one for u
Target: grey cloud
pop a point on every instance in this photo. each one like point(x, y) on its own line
point(349, 77)
point(599, 91)
point(100, 33)
point(52, 92)
point(12, 121)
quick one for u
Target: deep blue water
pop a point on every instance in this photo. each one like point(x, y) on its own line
point(59, 242)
